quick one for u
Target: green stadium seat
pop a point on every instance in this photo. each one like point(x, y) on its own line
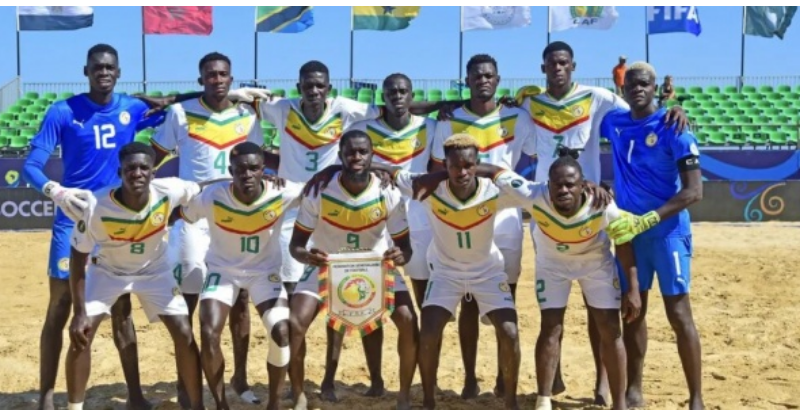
point(785, 104)
point(293, 94)
point(705, 120)
point(334, 93)
point(756, 97)
point(703, 97)
point(691, 104)
point(790, 111)
point(718, 97)
point(366, 93)
point(717, 138)
point(764, 105)
point(33, 109)
point(279, 92)
point(7, 117)
point(712, 89)
point(452, 95)
point(792, 137)
point(25, 102)
point(16, 109)
point(66, 95)
point(781, 120)
point(466, 94)
point(765, 89)
point(51, 96)
point(723, 120)
point(702, 137)
point(143, 137)
point(501, 92)
point(4, 142)
point(694, 90)
point(349, 93)
point(742, 120)
point(379, 98)
point(365, 99)
point(434, 95)
point(730, 89)
point(42, 102)
point(748, 89)
point(716, 112)
point(419, 95)
point(738, 97)
point(792, 96)
point(778, 138)
point(31, 95)
point(680, 90)
point(172, 93)
point(771, 111)
point(433, 115)
point(155, 94)
point(734, 112)
point(762, 120)
point(27, 117)
point(774, 96)
point(784, 89)
point(672, 102)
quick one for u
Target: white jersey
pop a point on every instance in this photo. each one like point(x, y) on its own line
point(338, 220)
point(242, 234)
point(131, 243)
point(204, 138)
point(502, 137)
point(463, 231)
point(581, 237)
point(308, 148)
point(574, 122)
point(409, 149)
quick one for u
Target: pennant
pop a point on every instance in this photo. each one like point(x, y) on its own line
point(768, 21)
point(284, 19)
point(583, 17)
point(188, 20)
point(494, 17)
point(383, 17)
point(54, 17)
point(673, 19)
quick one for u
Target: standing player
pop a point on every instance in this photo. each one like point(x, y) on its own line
point(401, 139)
point(658, 176)
point(503, 134)
point(90, 128)
point(356, 213)
point(569, 115)
point(123, 228)
point(203, 131)
point(244, 254)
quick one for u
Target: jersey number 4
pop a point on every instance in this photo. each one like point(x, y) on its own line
point(103, 135)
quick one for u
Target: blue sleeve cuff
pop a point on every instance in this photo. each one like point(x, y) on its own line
point(33, 170)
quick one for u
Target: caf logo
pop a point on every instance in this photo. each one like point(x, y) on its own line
point(483, 210)
point(651, 139)
point(269, 215)
point(157, 219)
point(124, 118)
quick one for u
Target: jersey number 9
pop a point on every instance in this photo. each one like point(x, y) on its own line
point(103, 135)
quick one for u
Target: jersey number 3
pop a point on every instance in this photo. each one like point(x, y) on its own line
point(103, 135)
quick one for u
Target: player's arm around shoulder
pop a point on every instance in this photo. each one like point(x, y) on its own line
point(516, 191)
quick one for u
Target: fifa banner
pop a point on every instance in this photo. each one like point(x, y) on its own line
point(25, 209)
point(357, 290)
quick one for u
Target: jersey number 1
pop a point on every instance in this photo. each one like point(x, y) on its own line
point(103, 135)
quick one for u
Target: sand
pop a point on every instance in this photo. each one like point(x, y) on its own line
point(745, 300)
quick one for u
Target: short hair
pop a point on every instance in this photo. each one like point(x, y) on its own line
point(566, 161)
point(458, 142)
point(313, 66)
point(557, 46)
point(102, 48)
point(213, 57)
point(642, 67)
point(479, 59)
point(351, 135)
point(394, 76)
point(246, 148)
point(136, 148)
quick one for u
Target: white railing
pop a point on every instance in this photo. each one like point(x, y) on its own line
point(9, 93)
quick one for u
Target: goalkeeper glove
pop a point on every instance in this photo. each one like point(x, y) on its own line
point(73, 202)
point(625, 228)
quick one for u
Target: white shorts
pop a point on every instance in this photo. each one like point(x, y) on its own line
point(159, 294)
point(309, 283)
point(188, 245)
point(291, 269)
point(447, 288)
point(224, 284)
point(599, 282)
point(417, 268)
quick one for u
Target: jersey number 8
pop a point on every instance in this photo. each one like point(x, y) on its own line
point(103, 135)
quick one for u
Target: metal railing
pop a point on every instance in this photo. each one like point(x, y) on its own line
point(9, 93)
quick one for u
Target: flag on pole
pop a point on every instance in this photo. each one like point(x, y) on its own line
point(768, 21)
point(284, 19)
point(583, 17)
point(383, 17)
point(188, 20)
point(54, 17)
point(494, 17)
point(671, 19)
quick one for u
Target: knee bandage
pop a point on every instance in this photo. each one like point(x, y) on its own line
point(278, 355)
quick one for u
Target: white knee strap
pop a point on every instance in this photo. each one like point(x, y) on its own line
point(278, 355)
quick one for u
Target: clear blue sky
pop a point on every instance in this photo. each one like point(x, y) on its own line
point(428, 49)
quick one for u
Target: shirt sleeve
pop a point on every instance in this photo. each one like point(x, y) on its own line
point(167, 136)
point(274, 111)
point(608, 101)
point(308, 215)
point(355, 111)
point(82, 238)
point(607, 130)
point(404, 181)
point(516, 191)
point(439, 136)
point(195, 209)
point(397, 216)
point(256, 135)
point(685, 151)
point(527, 131)
point(42, 146)
point(180, 191)
point(611, 214)
point(292, 195)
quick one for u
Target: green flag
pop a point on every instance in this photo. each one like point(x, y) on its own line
point(768, 21)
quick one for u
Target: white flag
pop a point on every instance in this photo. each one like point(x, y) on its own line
point(54, 17)
point(584, 17)
point(494, 17)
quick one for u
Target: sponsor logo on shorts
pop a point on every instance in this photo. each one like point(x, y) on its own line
point(561, 247)
point(63, 264)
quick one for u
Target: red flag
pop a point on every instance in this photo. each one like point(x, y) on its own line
point(190, 20)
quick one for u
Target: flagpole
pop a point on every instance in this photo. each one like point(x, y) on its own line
point(144, 56)
point(19, 65)
point(548, 25)
point(460, 47)
point(646, 37)
point(352, 43)
point(255, 56)
point(741, 65)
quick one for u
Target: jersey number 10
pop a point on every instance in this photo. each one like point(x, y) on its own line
point(103, 135)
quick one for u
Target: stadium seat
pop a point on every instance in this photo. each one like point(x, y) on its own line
point(66, 95)
point(16, 109)
point(680, 90)
point(434, 95)
point(4, 142)
point(466, 94)
point(18, 143)
point(784, 89)
point(452, 95)
point(702, 137)
point(748, 89)
point(694, 90)
point(279, 92)
point(28, 118)
point(715, 112)
point(501, 92)
point(293, 94)
point(365, 99)
point(50, 96)
point(793, 136)
point(419, 95)
point(765, 89)
point(730, 89)
point(778, 138)
point(42, 102)
point(349, 93)
point(379, 98)
point(7, 117)
point(25, 102)
point(785, 104)
point(173, 93)
point(32, 95)
point(717, 138)
point(155, 94)
point(712, 89)
point(702, 97)
point(333, 93)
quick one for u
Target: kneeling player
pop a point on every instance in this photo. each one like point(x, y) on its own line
point(571, 244)
point(244, 254)
point(124, 228)
point(354, 212)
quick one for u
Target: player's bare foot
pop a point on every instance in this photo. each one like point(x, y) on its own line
point(183, 398)
point(499, 388)
point(634, 398)
point(558, 386)
point(242, 389)
point(327, 392)
point(302, 402)
point(428, 404)
point(471, 389)
point(139, 403)
point(696, 403)
point(376, 390)
point(288, 394)
point(403, 403)
point(273, 405)
point(46, 403)
point(600, 400)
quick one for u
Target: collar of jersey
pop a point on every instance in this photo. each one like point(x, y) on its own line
point(389, 127)
point(470, 198)
point(303, 116)
point(210, 109)
point(263, 193)
point(354, 196)
point(119, 202)
point(493, 113)
point(567, 95)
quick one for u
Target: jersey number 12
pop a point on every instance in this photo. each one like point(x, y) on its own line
point(103, 135)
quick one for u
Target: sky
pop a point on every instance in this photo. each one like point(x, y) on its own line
point(428, 49)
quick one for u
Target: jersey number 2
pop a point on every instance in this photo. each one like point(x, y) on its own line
point(103, 135)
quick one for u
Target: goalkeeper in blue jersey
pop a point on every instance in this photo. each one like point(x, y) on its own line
point(657, 176)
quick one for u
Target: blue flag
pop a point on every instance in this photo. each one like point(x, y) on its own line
point(672, 19)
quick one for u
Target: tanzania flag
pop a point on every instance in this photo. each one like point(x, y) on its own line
point(284, 19)
point(383, 17)
point(189, 20)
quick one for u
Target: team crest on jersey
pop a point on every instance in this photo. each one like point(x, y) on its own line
point(239, 128)
point(577, 111)
point(616, 283)
point(124, 118)
point(483, 210)
point(376, 213)
point(502, 131)
point(332, 131)
point(274, 278)
point(417, 143)
point(651, 139)
point(561, 247)
point(585, 232)
point(269, 215)
point(157, 219)
point(63, 264)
